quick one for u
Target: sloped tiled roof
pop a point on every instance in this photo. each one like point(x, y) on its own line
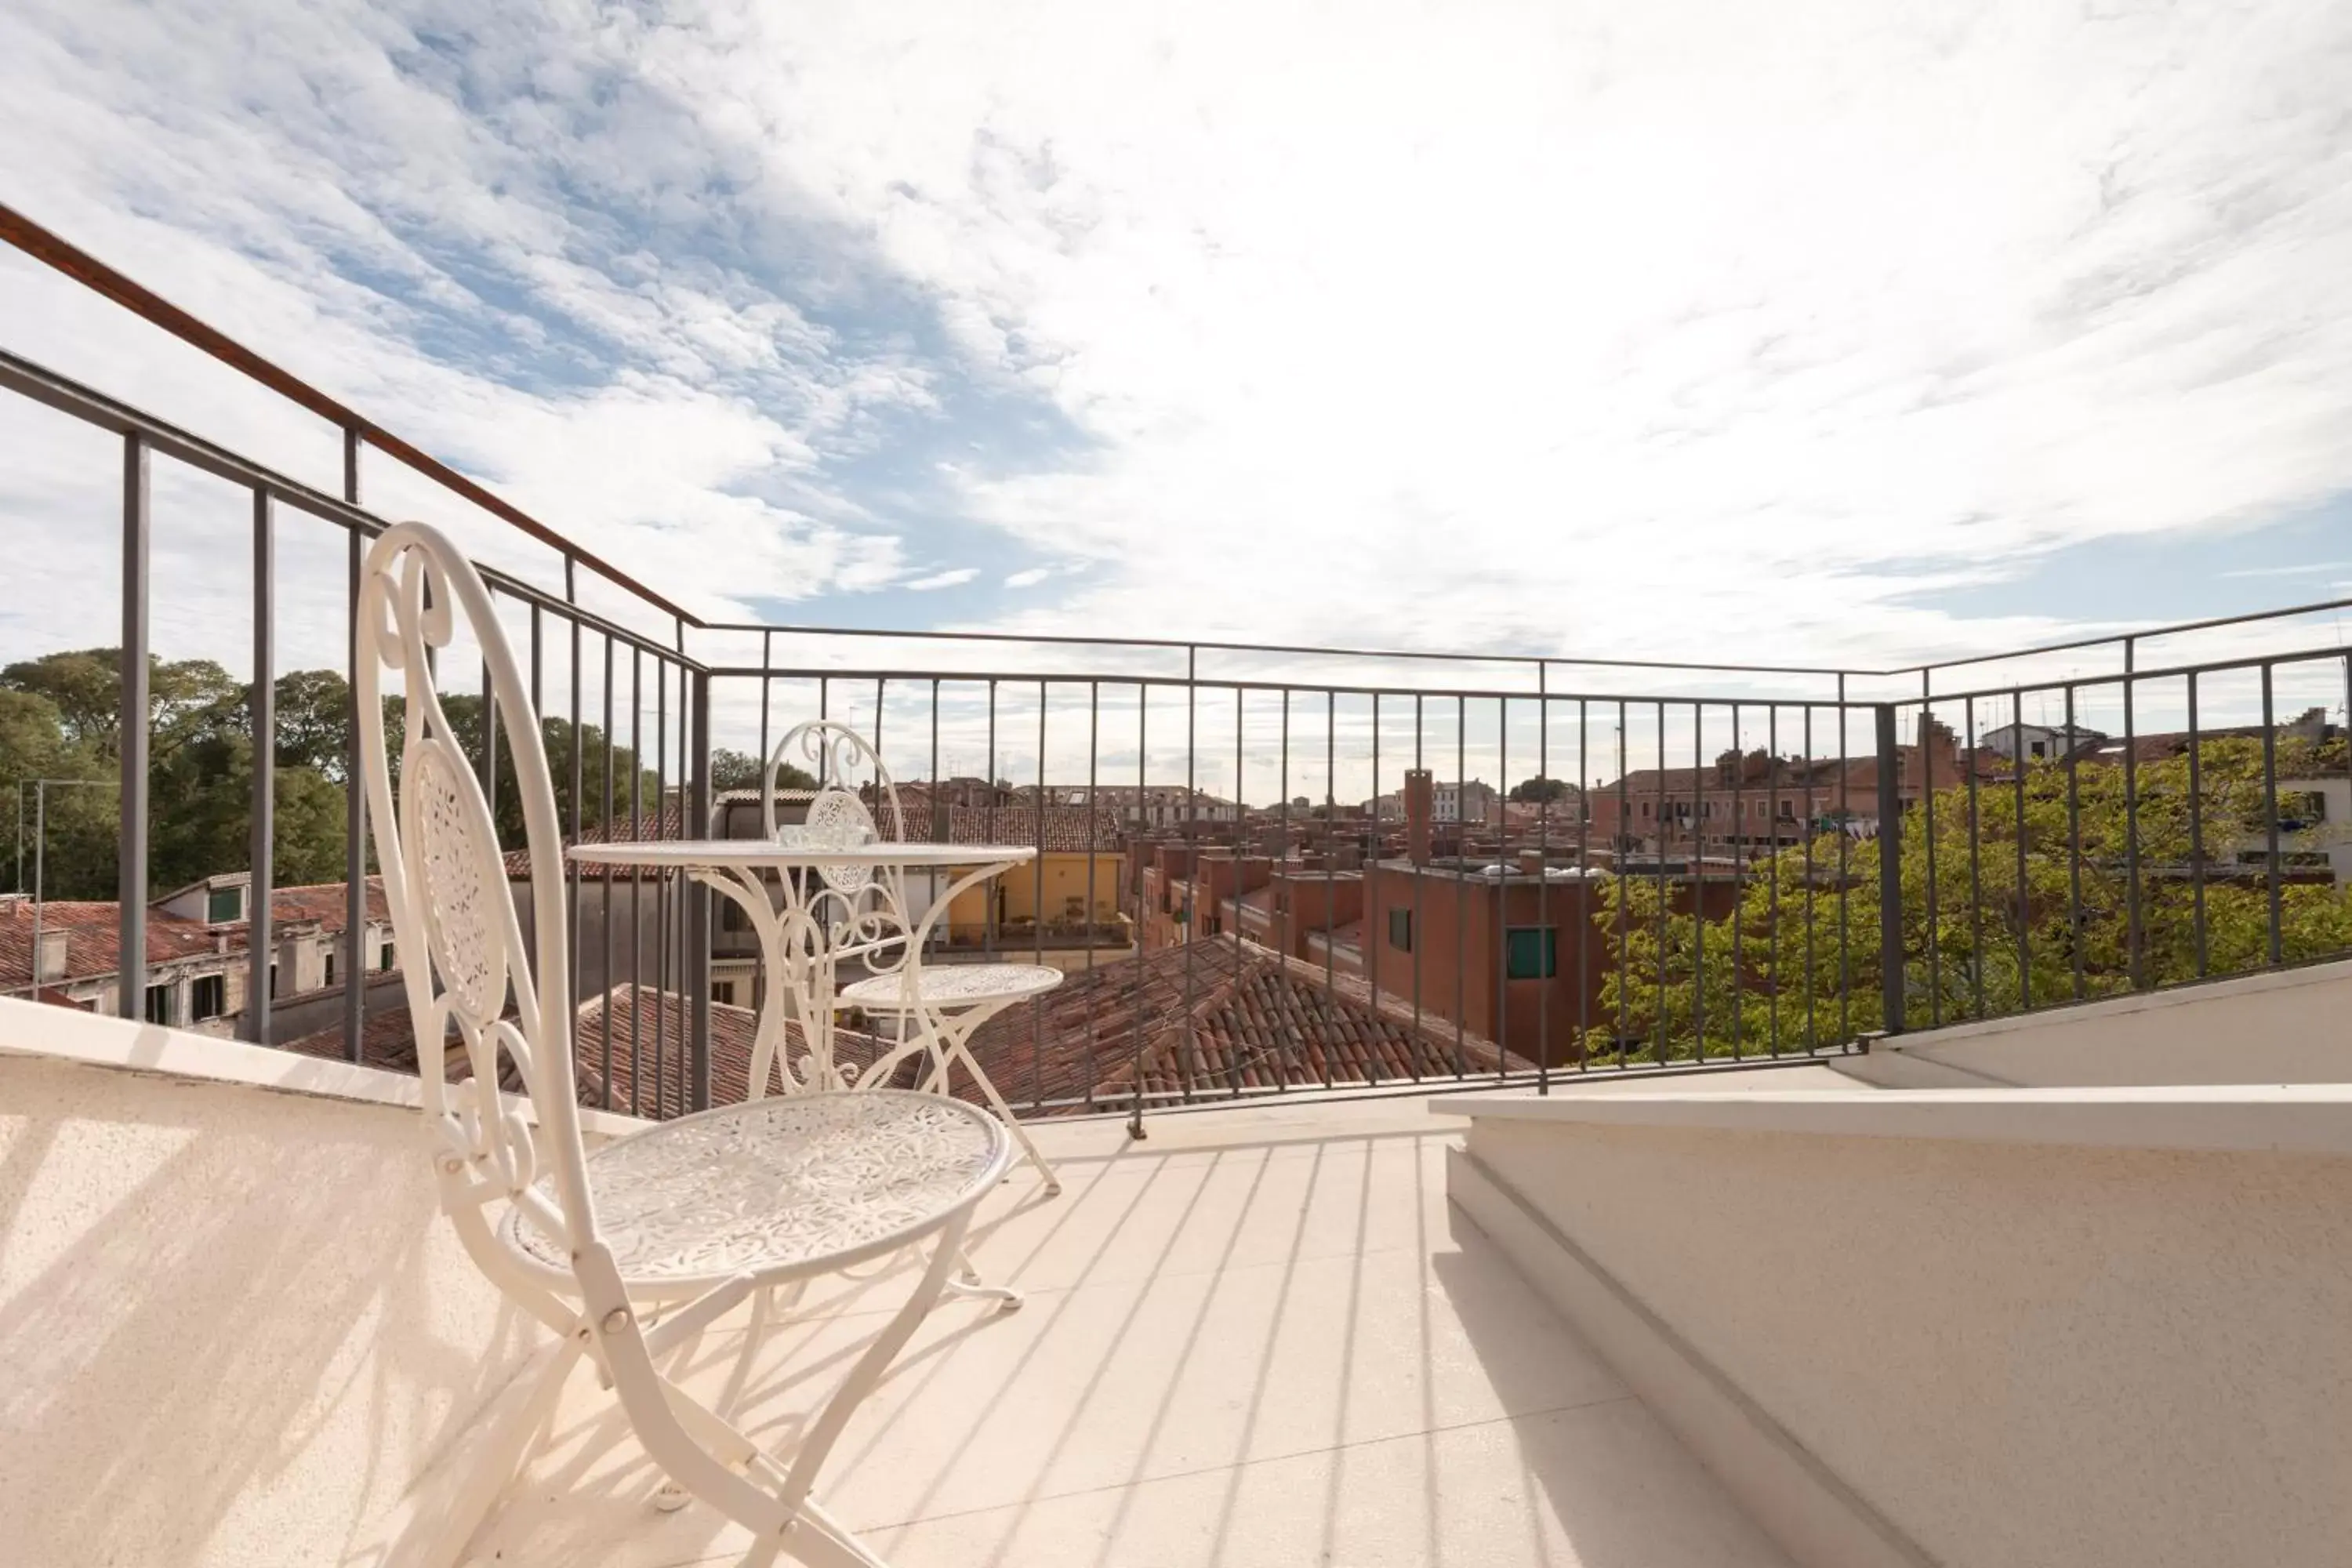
point(323, 902)
point(669, 822)
point(660, 1021)
point(93, 932)
point(388, 1041)
point(1067, 829)
point(1255, 1018)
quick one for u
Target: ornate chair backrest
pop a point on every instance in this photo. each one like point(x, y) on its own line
point(837, 756)
point(445, 882)
point(864, 905)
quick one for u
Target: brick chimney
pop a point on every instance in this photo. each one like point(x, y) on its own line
point(1420, 795)
point(49, 963)
point(1531, 862)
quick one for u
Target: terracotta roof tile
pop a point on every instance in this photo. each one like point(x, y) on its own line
point(93, 932)
point(669, 822)
point(1256, 1019)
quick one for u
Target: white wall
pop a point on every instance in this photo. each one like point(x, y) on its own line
point(2004, 1354)
point(2294, 1027)
point(232, 1323)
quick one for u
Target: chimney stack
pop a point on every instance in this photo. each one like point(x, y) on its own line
point(1418, 796)
point(1531, 862)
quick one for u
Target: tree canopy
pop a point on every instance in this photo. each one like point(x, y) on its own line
point(59, 720)
point(2039, 894)
point(1537, 790)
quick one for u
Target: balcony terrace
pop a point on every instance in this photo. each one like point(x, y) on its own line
point(1952, 1170)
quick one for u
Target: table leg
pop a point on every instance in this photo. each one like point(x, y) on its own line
point(948, 1032)
point(750, 895)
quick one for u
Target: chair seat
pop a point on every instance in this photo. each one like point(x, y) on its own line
point(953, 985)
point(779, 1186)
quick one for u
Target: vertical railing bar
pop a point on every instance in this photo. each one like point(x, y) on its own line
point(1290, 916)
point(1772, 888)
point(1373, 940)
point(1241, 859)
point(1805, 811)
point(1845, 857)
point(1935, 929)
point(571, 867)
point(604, 887)
point(1698, 885)
point(1543, 869)
point(1037, 923)
point(1143, 913)
point(1625, 883)
point(697, 900)
point(2346, 733)
point(490, 738)
point(2073, 848)
point(1890, 875)
point(1976, 873)
point(130, 862)
point(988, 895)
point(1742, 841)
point(1330, 861)
point(2135, 969)
point(1461, 876)
point(1502, 884)
point(354, 790)
point(1188, 1056)
point(1658, 1024)
point(2196, 834)
point(1584, 781)
point(636, 883)
point(261, 932)
point(2270, 810)
point(767, 662)
point(1420, 868)
point(1094, 826)
point(2025, 893)
point(661, 880)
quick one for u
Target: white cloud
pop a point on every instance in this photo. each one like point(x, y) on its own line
point(2309, 569)
point(949, 579)
point(1588, 327)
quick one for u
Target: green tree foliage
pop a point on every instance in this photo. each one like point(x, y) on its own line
point(1537, 790)
point(2035, 905)
point(741, 770)
point(60, 718)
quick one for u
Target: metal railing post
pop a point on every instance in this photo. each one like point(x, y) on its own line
point(354, 788)
point(131, 864)
point(698, 903)
point(261, 881)
point(1890, 874)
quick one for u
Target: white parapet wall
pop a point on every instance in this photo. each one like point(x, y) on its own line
point(2291, 1027)
point(2107, 1327)
point(232, 1326)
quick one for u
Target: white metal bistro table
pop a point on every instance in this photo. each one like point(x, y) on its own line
point(840, 902)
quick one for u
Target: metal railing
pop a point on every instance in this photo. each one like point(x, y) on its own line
point(630, 677)
point(1708, 865)
point(1717, 879)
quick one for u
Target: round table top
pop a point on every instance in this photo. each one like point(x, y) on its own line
point(688, 853)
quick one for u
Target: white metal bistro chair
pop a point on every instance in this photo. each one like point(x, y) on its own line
point(937, 1006)
point(683, 1221)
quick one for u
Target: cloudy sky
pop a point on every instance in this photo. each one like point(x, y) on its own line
point(1803, 332)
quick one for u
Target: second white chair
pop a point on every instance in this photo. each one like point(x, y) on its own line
point(938, 1007)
